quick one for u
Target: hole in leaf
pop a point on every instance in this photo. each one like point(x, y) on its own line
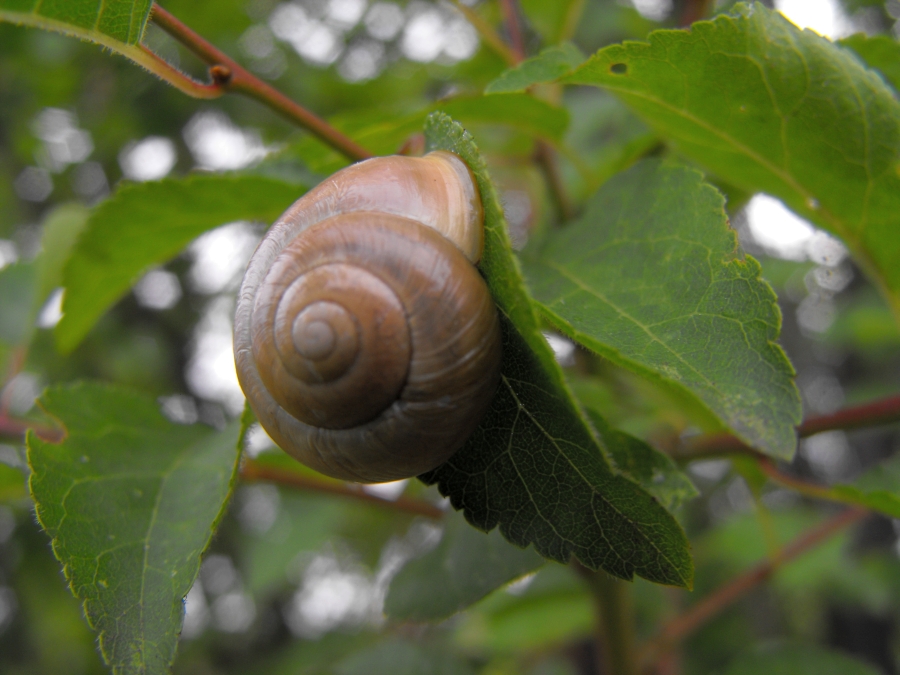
point(618, 68)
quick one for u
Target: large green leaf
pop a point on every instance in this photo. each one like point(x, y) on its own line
point(462, 569)
point(533, 466)
point(130, 500)
point(104, 22)
point(879, 52)
point(652, 278)
point(798, 660)
point(145, 224)
point(771, 108)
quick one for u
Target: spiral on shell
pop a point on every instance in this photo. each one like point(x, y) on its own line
point(366, 341)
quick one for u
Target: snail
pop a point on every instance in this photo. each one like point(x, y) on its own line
point(365, 339)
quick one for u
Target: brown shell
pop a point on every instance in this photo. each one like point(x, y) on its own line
point(367, 344)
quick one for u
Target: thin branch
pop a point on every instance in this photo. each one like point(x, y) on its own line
point(616, 638)
point(228, 75)
point(805, 488)
point(879, 412)
point(544, 154)
point(514, 28)
point(491, 38)
point(252, 470)
point(682, 626)
point(694, 10)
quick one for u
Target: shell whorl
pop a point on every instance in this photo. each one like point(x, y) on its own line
point(367, 343)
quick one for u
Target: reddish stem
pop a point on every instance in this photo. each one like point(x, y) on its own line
point(228, 75)
point(682, 626)
point(694, 10)
point(16, 428)
point(514, 28)
point(252, 470)
point(879, 412)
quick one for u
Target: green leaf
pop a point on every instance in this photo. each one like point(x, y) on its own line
point(877, 489)
point(879, 52)
point(465, 566)
point(146, 224)
point(61, 229)
point(771, 108)
point(130, 500)
point(798, 660)
point(111, 20)
point(533, 466)
point(397, 657)
point(551, 64)
point(18, 298)
point(652, 278)
point(651, 469)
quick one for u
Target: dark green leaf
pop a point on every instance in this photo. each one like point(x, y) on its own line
point(798, 660)
point(771, 108)
point(121, 20)
point(653, 470)
point(652, 278)
point(465, 566)
point(879, 52)
point(146, 224)
point(551, 64)
point(130, 500)
point(533, 466)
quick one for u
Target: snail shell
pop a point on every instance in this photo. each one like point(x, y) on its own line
point(365, 339)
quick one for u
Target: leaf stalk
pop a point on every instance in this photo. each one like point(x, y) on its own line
point(227, 75)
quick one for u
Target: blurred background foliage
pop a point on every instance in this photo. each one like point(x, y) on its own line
point(295, 581)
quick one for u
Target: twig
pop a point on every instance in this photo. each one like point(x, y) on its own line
point(514, 28)
point(252, 470)
point(227, 75)
point(803, 487)
point(615, 621)
point(544, 153)
point(694, 10)
point(872, 414)
point(491, 38)
point(682, 626)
